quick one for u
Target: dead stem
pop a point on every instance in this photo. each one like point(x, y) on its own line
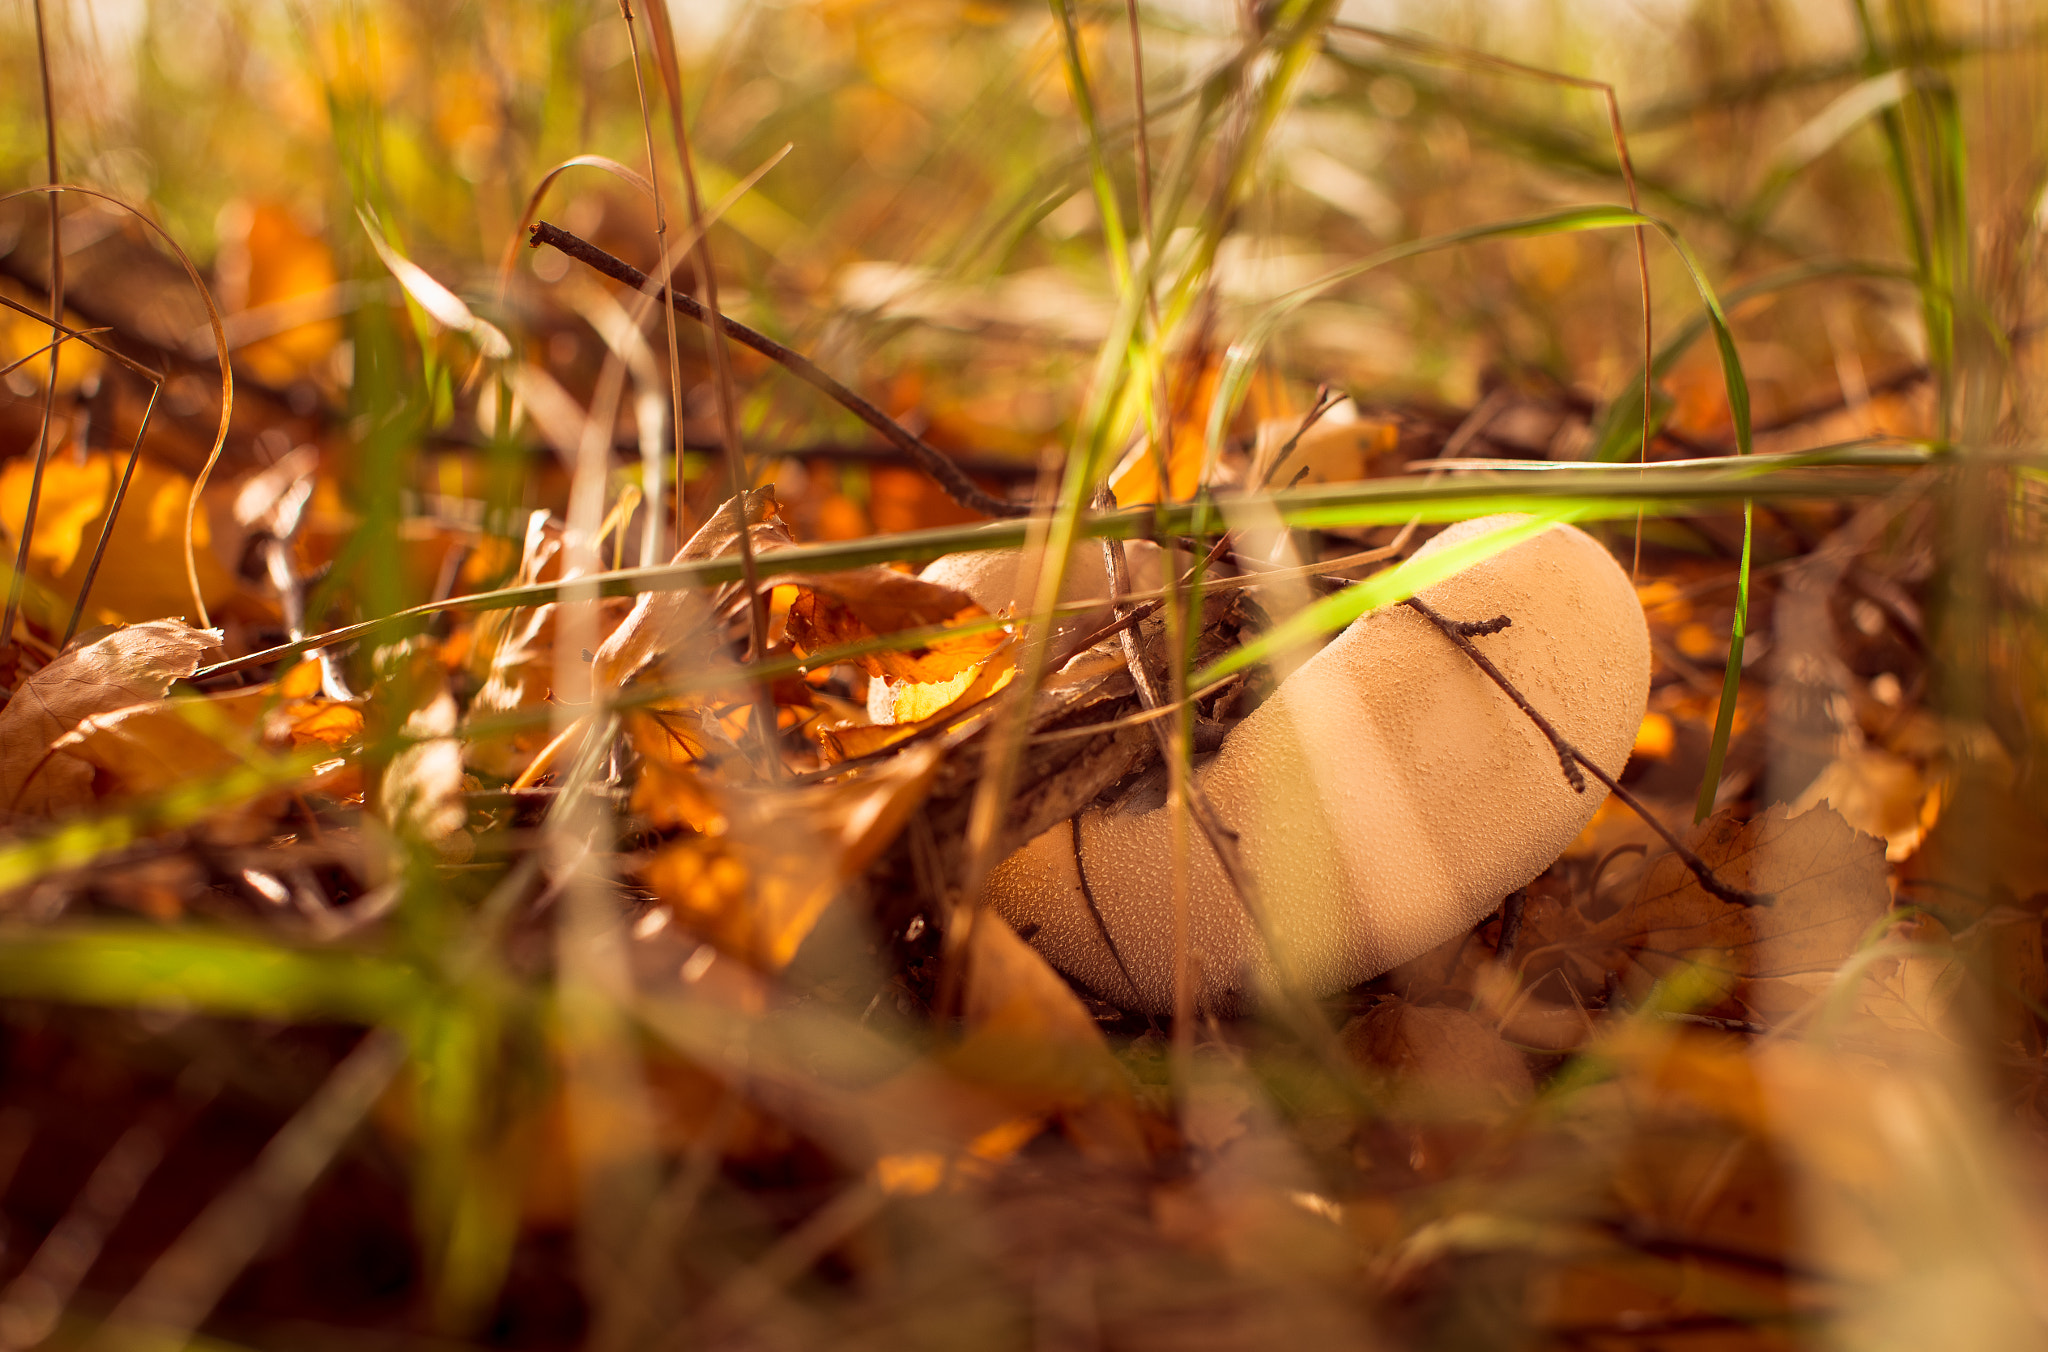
point(724, 395)
point(675, 368)
point(942, 470)
point(35, 482)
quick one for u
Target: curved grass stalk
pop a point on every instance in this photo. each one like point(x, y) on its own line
point(227, 378)
point(1622, 418)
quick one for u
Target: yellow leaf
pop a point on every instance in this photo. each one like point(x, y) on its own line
point(139, 579)
point(279, 279)
point(21, 335)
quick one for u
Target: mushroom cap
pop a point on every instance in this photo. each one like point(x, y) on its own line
point(1385, 798)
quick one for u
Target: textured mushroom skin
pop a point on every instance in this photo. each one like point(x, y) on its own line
point(1385, 798)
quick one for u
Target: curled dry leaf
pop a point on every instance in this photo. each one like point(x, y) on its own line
point(769, 860)
point(130, 666)
point(514, 651)
point(919, 707)
point(667, 621)
point(1828, 884)
point(839, 608)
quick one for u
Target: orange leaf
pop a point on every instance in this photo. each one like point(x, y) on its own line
point(838, 608)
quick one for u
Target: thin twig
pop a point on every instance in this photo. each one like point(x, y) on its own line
point(1323, 404)
point(1570, 758)
point(1095, 907)
point(948, 475)
point(99, 551)
point(90, 337)
point(35, 481)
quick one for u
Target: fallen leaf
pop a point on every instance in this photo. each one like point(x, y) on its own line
point(272, 264)
point(421, 792)
point(152, 747)
point(757, 886)
point(863, 603)
point(1442, 1063)
point(667, 621)
point(926, 704)
point(21, 336)
point(1029, 1038)
point(1879, 794)
point(132, 582)
point(1828, 887)
point(514, 652)
point(130, 666)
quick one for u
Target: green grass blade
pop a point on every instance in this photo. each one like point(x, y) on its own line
point(80, 841)
point(1369, 502)
point(1383, 588)
point(133, 966)
point(1731, 679)
point(1115, 240)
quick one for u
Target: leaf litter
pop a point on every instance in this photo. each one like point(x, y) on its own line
point(1622, 1112)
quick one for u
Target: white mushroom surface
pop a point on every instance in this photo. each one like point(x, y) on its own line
point(1386, 797)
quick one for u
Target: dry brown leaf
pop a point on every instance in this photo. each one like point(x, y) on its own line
point(421, 792)
point(1888, 796)
point(839, 608)
point(666, 621)
point(1030, 1040)
point(514, 651)
point(1829, 887)
point(757, 887)
point(130, 666)
point(149, 748)
point(1444, 1063)
point(1988, 848)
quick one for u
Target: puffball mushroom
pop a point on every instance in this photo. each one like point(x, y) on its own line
point(1386, 797)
